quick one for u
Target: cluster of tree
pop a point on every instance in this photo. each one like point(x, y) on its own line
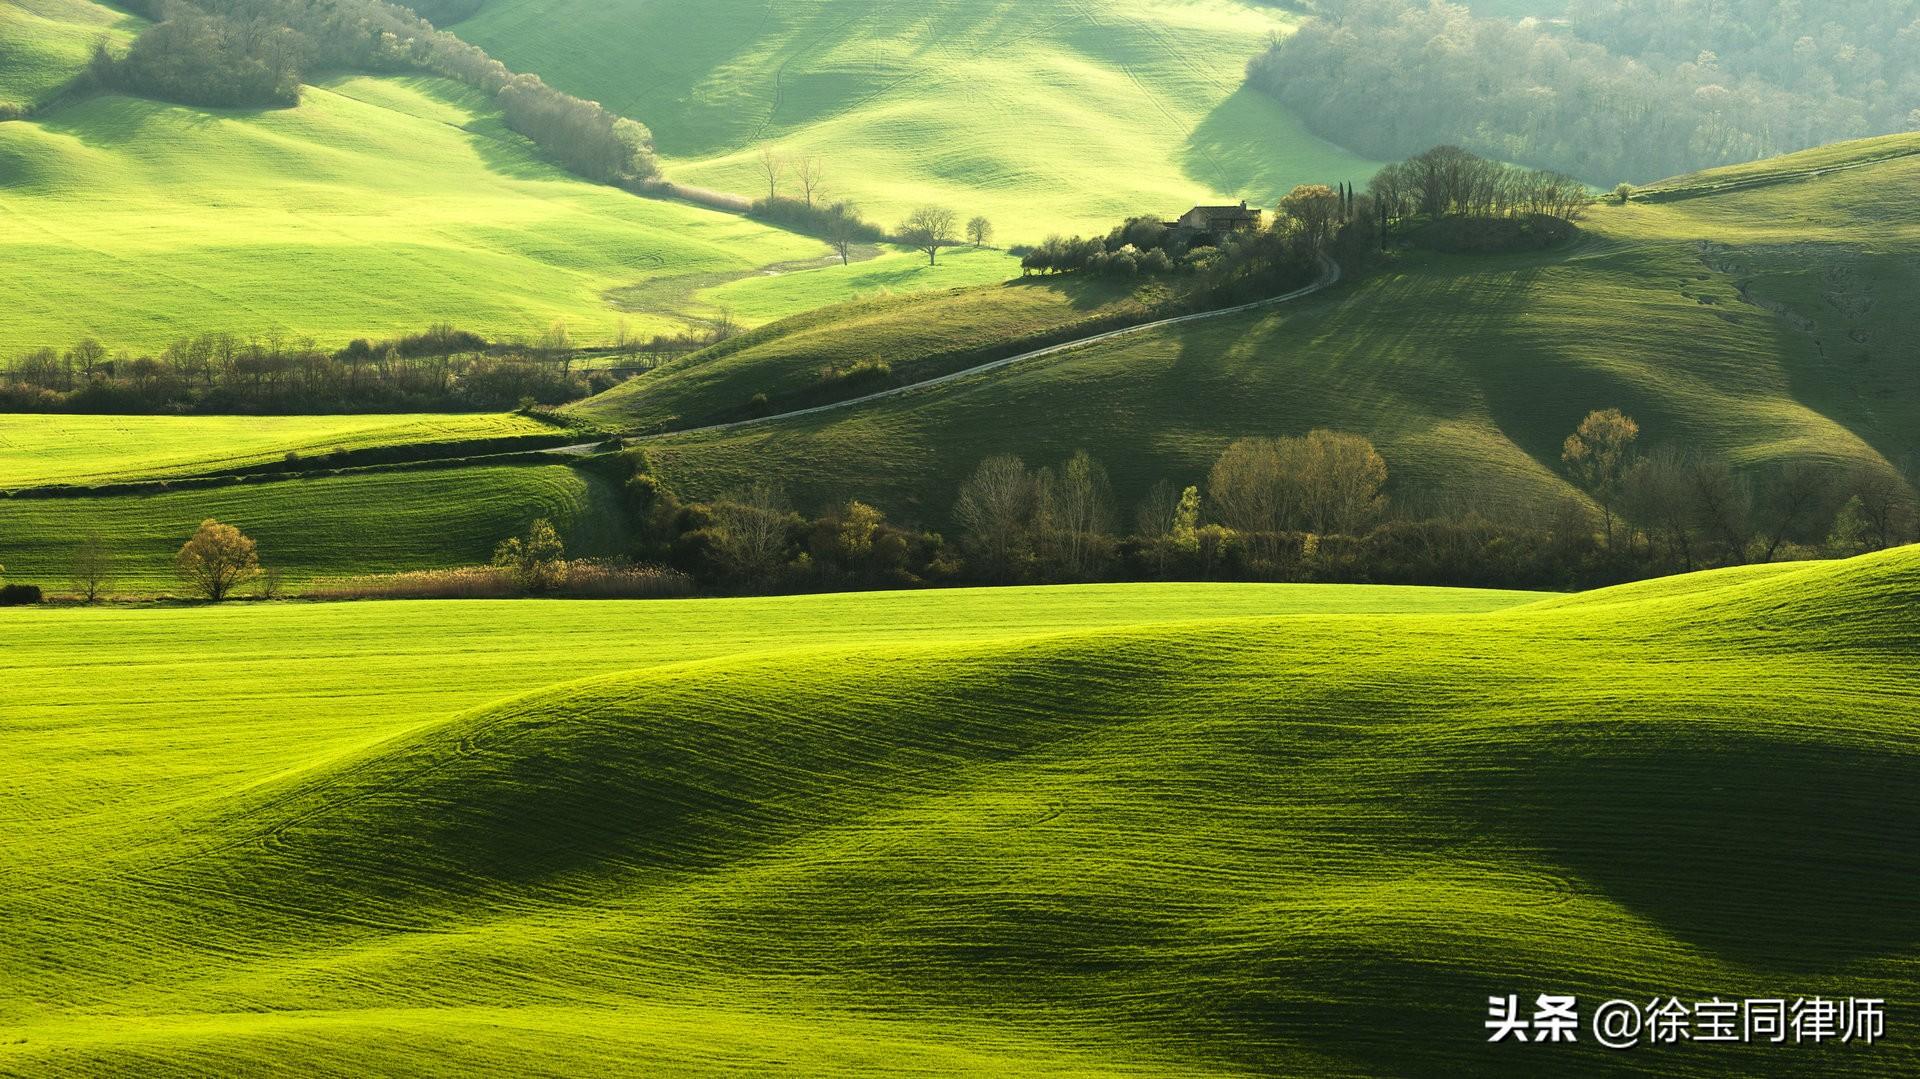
point(1449, 181)
point(443, 368)
point(1311, 221)
point(751, 539)
point(1685, 511)
point(200, 59)
point(931, 228)
point(839, 223)
point(1310, 508)
point(928, 228)
point(257, 53)
point(1635, 88)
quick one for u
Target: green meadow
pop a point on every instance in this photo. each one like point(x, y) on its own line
point(376, 207)
point(80, 449)
point(796, 362)
point(1042, 117)
point(893, 270)
point(1120, 830)
point(44, 44)
point(1767, 324)
point(324, 526)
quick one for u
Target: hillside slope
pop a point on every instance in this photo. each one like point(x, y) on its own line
point(321, 526)
point(807, 359)
point(1765, 324)
point(1042, 116)
point(1303, 844)
point(44, 45)
point(379, 205)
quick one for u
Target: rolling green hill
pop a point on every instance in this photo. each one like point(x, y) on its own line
point(796, 362)
point(1765, 324)
point(1080, 838)
point(44, 44)
point(1043, 117)
point(49, 449)
point(324, 526)
point(377, 206)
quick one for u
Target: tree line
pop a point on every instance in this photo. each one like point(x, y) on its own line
point(442, 368)
point(256, 53)
point(1311, 221)
point(1314, 507)
point(1619, 89)
point(1449, 181)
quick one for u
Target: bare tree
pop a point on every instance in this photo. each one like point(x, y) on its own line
point(1079, 513)
point(1723, 504)
point(1793, 502)
point(996, 507)
point(1344, 476)
point(753, 528)
point(811, 173)
point(1885, 507)
point(843, 231)
point(1256, 487)
point(1153, 518)
point(1597, 456)
point(980, 232)
point(929, 229)
point(90, 569)
point(1655, 492)
point(772, 166)
point(217, 559)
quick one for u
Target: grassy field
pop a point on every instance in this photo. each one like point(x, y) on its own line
point(1070, 831)
point(1043, 117)
point(377, 206)
point(918, 336)
point(47, 449)
point(330, 526)
point(1764, 325)
point(44, 44)
point(769, 297)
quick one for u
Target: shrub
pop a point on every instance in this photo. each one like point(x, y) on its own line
point(534, 562)
point(584, 579)
point(19, 595)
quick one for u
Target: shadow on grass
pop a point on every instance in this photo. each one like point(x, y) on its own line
point(1775, 854)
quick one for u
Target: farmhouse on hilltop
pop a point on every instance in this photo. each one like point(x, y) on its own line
point(1216, 221)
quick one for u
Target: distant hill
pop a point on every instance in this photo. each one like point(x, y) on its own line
point(377, 206)
point(1766, 322)
point(1111, 831)
point(1042, 116)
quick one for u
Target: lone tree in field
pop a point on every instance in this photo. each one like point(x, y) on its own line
point(772, 166)
point(843, 230)
point(1597, 455)
point(929, 229)
point(218, 559)
point(535, 561)
point(980, 232)
point(90, 569)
